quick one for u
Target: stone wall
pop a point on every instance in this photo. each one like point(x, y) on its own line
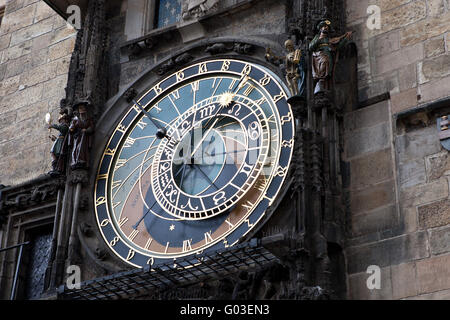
point(35, 51)
point(400, 207)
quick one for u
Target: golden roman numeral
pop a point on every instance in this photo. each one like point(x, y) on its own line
point(230, 225)
point(175, 94)
point(129, 142)
point(141, 124)
point(202, 68)
point(123, 221)
point(110, 152)
point(120, 163)
point(187, 245)
point(195, 86)
point(102, 176)
point(131, 254)
point(148, 244)
point(133, 234)
point(100, 201)
point(208, 237)
point(248, 90)
point(248, 205)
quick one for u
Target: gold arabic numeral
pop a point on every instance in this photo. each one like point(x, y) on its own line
point(247, 69)
point(120, 163)
point(141, 124)
point(121, 128)
point(281, 171)
point(287, 144)
point(114, 241)
point(100, 201)
point(208, 237)
point(286, 118)
point(180, 76)
point(226, 65)
point(157, 89)
point(129, 142)
point(187, 245)
point(110, 152)
point(195, 86)
point(131, 254)
point(247, 221)
point(133, 234)
point(148, 244)
point(102, 176)
point(225, 243)
point(104, 223)
point(123, 221)
point(151, 261)
point(265, 80)
point(278, 97)
point(202, 68)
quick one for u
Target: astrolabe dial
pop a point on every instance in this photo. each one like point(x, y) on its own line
point(194, 163)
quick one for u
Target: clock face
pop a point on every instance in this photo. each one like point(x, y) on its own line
point(194, 163)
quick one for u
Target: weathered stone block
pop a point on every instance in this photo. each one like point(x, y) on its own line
point(43, 11)
point(437, 165)
point(384, 43)
point(389, 252)
point(32, 31)
point(404, 100)
point(404, 282)
point(440, 241)
point(40, 74)
point(61, 49)
point(18, 19)
point(412, 173)
point(417, 144)
point(404, 15)
point(437, 67)
point(407, 77)
point(358, 286)
point(378, 220)
point(425, 29)
point(372, 197)
point(434, 47)
point(4, 41)
point(433, 215)
point(436, 89)
point(440, 295)
point(435, 7)
point(9, 86)
point(424, 193)
point(367, 140)
point(398, 59)
point(433, 274)
point(371, 169)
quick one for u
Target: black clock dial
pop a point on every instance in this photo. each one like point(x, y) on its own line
point(195, 162)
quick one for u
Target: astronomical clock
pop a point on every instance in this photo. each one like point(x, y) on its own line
point(194, 162)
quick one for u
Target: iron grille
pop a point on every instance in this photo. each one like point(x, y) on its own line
point(250, 255)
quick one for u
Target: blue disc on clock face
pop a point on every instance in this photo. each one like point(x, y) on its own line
point(194, 163)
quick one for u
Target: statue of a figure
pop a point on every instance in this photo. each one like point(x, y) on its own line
point(80, 137)
point(294, 64)
point(324, 56)
point(59, 147)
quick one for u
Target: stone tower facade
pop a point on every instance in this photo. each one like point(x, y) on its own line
point(370, 183)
